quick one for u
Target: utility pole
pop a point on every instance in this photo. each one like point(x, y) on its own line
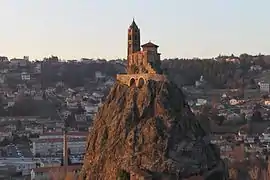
point(65, 142)
point(65, 148)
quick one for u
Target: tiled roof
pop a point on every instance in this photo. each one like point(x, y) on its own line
point(150, 44)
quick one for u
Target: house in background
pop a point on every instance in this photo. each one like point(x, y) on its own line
point(264, 87)
point(25, 76)
point(19, 62)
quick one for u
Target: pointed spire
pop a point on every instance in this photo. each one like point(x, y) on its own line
point(133, 24)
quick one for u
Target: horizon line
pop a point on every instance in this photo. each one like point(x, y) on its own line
point(116, 58)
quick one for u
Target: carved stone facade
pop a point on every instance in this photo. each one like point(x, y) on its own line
point(143, 65)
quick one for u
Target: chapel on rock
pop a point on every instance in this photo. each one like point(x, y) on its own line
point(143, 61)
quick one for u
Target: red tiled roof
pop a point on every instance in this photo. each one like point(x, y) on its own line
point(150, 44)
point(57, 168)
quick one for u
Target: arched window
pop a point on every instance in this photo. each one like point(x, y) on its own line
point(141, 82)
point(132, 82)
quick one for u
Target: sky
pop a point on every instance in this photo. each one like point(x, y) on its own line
point(72, 29)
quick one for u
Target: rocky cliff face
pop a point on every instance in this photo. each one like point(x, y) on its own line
point(148, 132)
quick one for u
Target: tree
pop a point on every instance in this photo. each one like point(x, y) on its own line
point(243, 116)
point(252, 83)
point(33, 135)
point(80, 109)
point(37, 155)
point(44, 97)
point(219, 120)
point(19, 125)
point(4, 142)
point(264, 96)
point(71, 121)
point(244, 56)
point(256, 116)
point(123, 175)
point(2, 110)
point(205, 122)
point(24, 107)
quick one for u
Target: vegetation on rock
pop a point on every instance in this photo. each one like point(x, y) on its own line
point(104, 138)
point(123, 175)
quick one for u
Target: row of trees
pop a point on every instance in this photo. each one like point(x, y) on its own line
point(76, 74)
point(26, 106)
point(209, 114)
point(218, 72)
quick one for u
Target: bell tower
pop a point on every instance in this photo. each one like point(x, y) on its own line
point(134, 44)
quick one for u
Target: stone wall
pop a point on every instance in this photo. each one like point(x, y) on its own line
point(141, 62)
point(139, 79)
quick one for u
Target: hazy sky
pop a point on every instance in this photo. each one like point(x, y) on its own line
point(73, 29)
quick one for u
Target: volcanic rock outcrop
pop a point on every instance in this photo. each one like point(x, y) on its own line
point(149, 133)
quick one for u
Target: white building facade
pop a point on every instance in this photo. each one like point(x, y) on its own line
point(51, 144)
point(264, 87)
point(25, 76)
point(22, 165)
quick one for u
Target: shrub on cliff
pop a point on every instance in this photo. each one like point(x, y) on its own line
point(123, 175)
